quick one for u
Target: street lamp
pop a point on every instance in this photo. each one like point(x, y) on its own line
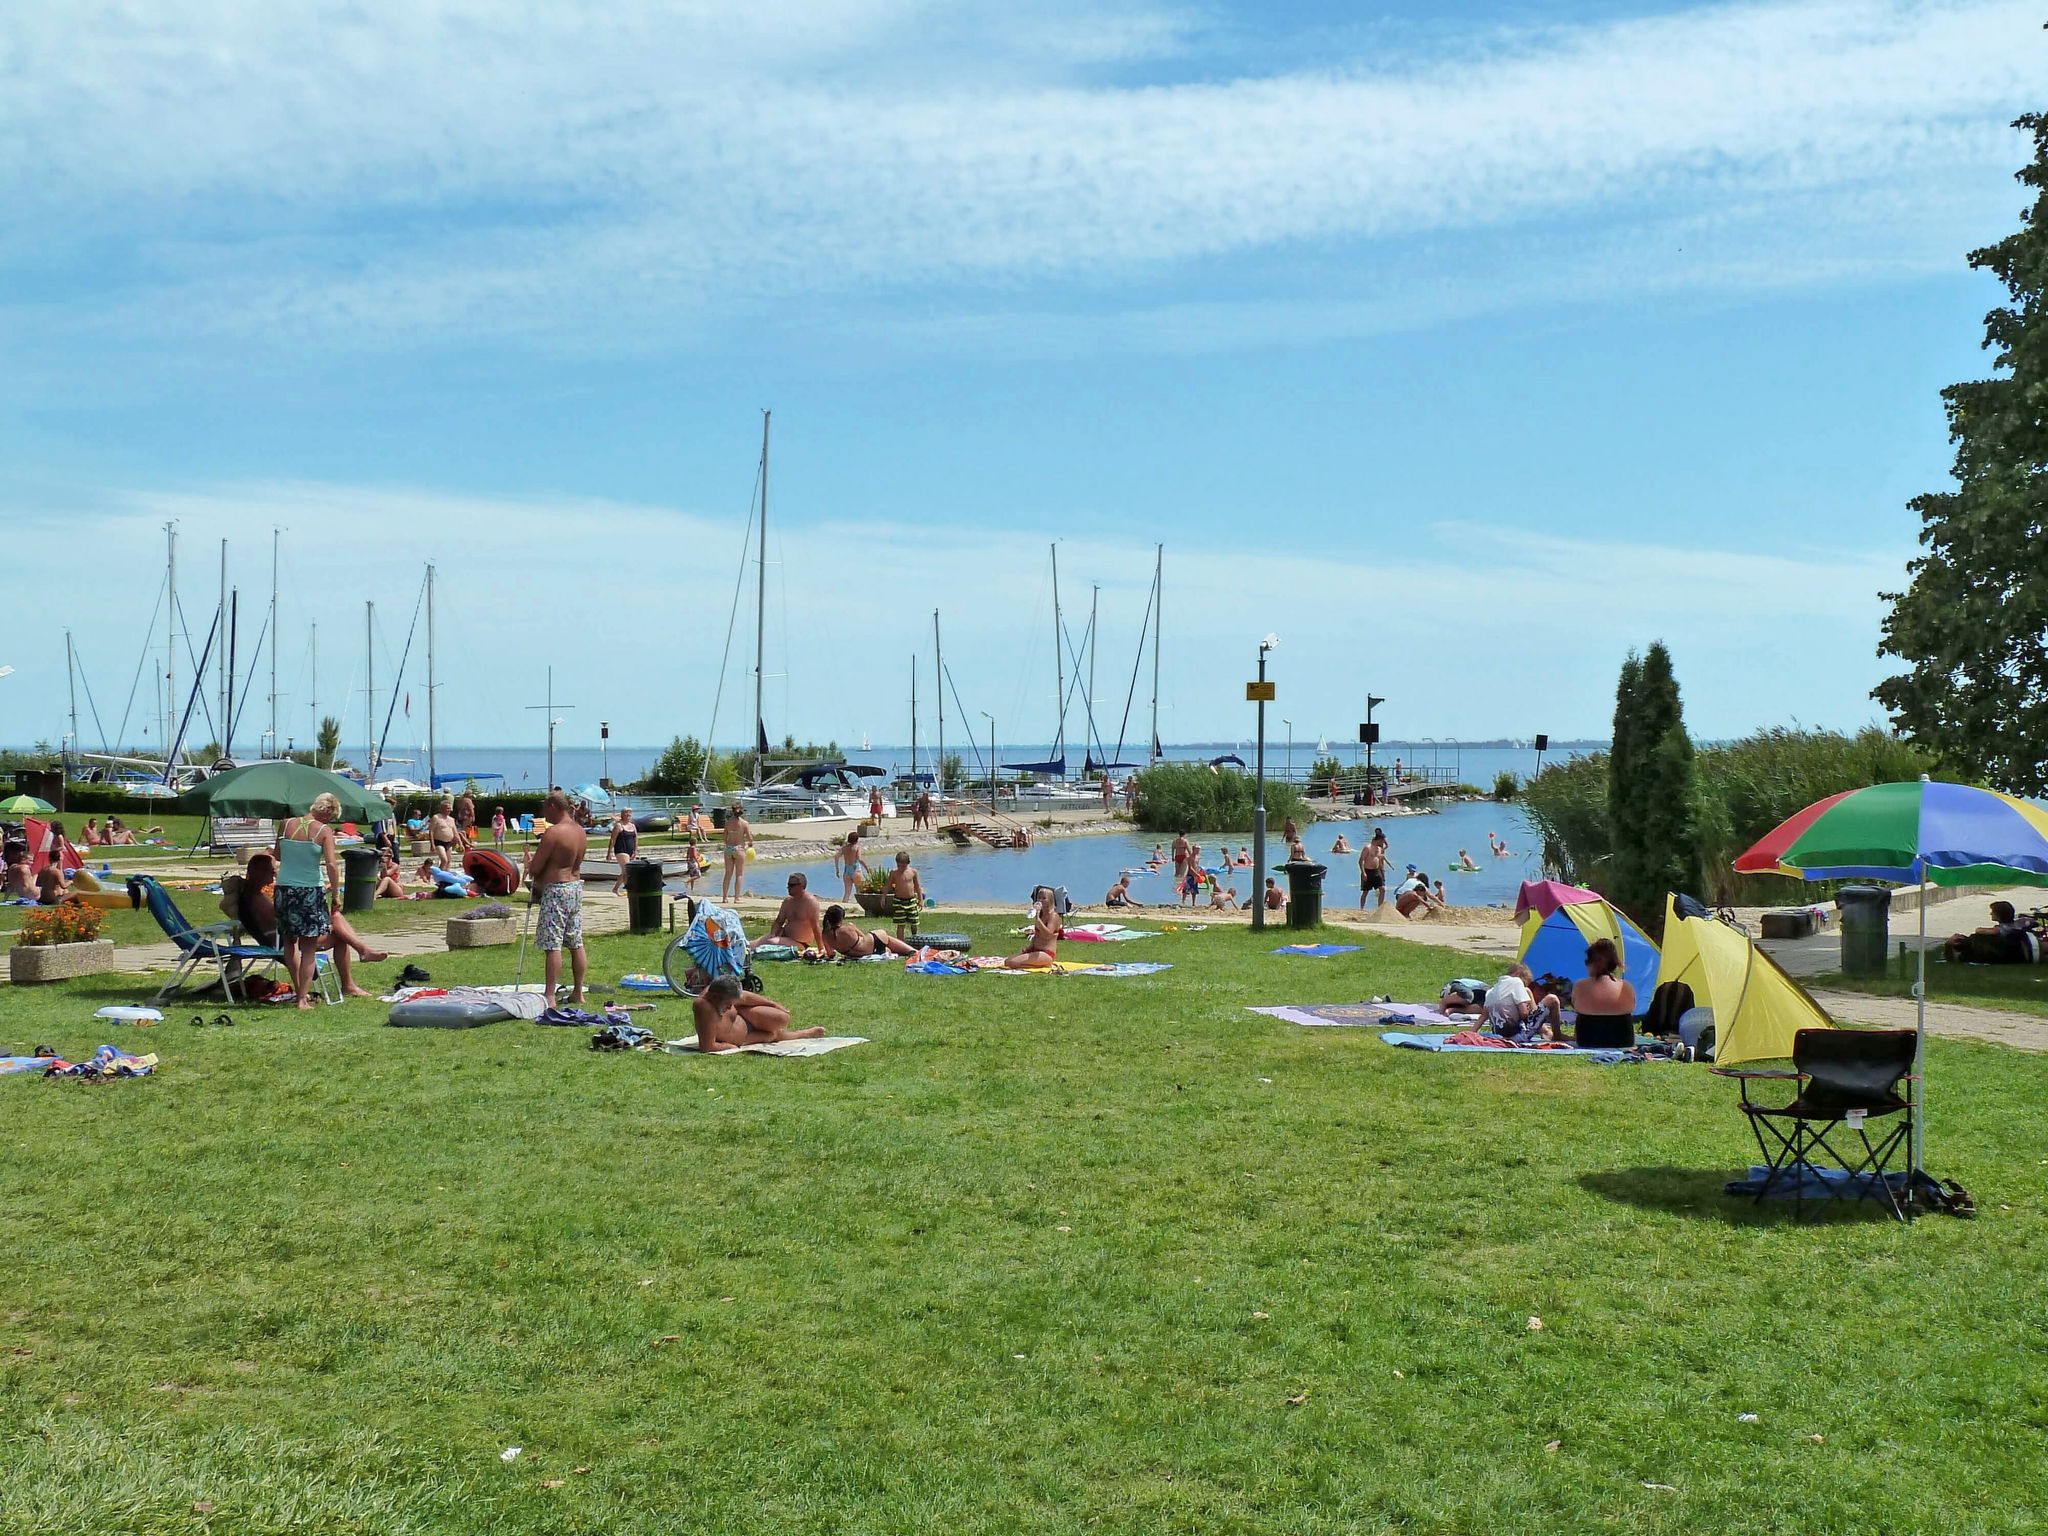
point(604, 759)
point(1262, 693)
point(1369, 734)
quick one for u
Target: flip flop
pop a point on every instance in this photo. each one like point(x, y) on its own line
point(223, 1021)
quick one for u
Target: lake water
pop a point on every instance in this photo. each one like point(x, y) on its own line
point(1088, 866)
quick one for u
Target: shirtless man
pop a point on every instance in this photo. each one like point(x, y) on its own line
point(20, 884)
point(1183, 850)
point(1500, 849)
point(1372, 868)
point(843, 938)
point(554, 879)
point(799, 920)
point(50, 882)
point(465, 818)
point(445, 835)
point(1042, 950)
point(906, 896)
point(728, 1018)
point(1119, 895)
point(739, 839)
point(1342, 845)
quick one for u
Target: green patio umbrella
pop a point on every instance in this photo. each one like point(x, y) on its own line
point(280, 788)
point(25, 805)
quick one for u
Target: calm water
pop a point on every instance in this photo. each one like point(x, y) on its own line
point(1088, 866)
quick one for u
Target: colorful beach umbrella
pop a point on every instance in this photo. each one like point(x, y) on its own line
point(1940, 834)
point(25, 805)
point(717, 941)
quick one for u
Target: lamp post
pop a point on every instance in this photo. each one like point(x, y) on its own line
point(1369, 734)
point(1262, 693)
point(604, 750)
point(1290, 747)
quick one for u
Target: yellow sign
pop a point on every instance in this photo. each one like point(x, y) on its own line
point(1258, 693)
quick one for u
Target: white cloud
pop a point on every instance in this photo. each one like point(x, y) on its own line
point(393, 169)
point(1488, 631)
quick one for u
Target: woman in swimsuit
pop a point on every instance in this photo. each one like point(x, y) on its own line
point(1042, 952)
point(848, 941)
point(851, 865)
point(625, 844)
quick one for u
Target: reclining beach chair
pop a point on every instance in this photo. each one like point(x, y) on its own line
point(214, 944)
point(1847, 1078)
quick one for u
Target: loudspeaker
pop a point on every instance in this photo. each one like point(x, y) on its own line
point(1542, 743)
point(1369, 734)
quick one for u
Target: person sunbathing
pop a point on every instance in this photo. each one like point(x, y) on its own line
point(390, 879)
point(728, 1017)
point(19, 884)
point(118, 835)
point(1514, 1010)
point(1042, 951)
point(50, 883)
point(846, 940)
point(1119, 895)
point(799, 919)
point(1603, 993)
point(89, 835)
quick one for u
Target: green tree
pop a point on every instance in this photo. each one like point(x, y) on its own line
point(1324, 769)
point(679, 770)
point(1973, 622)
point(952, 772)
point(1652, 794)
point(329, 742)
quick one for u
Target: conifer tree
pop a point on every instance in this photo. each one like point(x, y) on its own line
point(1651, 792)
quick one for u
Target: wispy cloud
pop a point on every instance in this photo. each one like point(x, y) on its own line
point(391, 170)
point(1492, 629)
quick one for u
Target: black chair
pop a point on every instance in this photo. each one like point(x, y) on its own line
point(1847, 1078)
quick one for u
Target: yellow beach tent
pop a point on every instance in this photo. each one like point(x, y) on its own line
point(1757, 1007)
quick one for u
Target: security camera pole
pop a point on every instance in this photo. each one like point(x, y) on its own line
point(1260, 693)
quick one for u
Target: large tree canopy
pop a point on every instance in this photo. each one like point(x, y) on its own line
point(1973, 623)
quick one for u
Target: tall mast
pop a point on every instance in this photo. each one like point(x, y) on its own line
point(273, 642)
point(1158, 604)
point(761, 611)
point(170, 635)
point(227, 714)
point(71, 677)
point(1094, 603)
point(222, 688)
point(913, 717)
point(939, 668)
point(315, 705)
point(430, 679)
point(1059, 667)
point(370, 693)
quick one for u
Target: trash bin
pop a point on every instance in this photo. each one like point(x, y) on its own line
point(643, 895)
point(1304, 893)
point(1866, 918)
point(718, 817)
point(359, 879)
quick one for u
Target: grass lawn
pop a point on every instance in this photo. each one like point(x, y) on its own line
point(2020, 988)
point(127, 926)
point(1050, 1254)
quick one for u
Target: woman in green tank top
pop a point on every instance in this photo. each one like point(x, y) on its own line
point(305, 852)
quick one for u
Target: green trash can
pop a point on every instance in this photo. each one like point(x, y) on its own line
point(1304, 893)
point(1866, 928)
point(718, 817)
point(359, 879)
point(643, 896)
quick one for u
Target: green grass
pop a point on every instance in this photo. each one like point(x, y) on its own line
point(127, 926)
point(2018, 988)
point(321, 1273)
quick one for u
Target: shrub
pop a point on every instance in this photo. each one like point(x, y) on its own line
point(1506, 785)
point(1175, 797)
point(678, 771)
point(71, 922)
point(1324, 769)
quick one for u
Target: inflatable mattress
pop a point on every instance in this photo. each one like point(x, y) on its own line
point(446, 1013)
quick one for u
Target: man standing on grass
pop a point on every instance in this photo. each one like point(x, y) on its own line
point(554, 880)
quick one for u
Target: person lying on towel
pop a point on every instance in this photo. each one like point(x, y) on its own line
point(1511, 1006)
point(728, 1018)
point(844, 939)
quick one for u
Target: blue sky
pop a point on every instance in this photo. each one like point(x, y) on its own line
point(1465, 346)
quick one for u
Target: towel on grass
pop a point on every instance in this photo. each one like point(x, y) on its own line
point(1355, 1015)
point(1472, 1040)
point(1320, 951)
point(1123, 968)
point(816, 1047)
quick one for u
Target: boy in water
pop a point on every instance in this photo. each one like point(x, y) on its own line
point(906, 896)
point(728, 1018)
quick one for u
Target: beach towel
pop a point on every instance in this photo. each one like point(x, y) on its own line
point(641, 981)
point(816, 1047)
point(13, 1064)
point(1320, 951)
point(106, 1062)
point(1472, 1040)
point(1353, 1015)
point(934, 968)
point(127, 1015)
point(1124, 968)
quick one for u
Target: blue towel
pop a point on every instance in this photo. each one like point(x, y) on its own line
point(1441, 1043)
point(1320, 951)
point(935, 968)
point(1126, 968)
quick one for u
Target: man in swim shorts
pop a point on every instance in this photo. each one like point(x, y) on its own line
point(554, 876)
point(1372, 868)
point(906, 896)
point(799, 920)
point(727, 1017)
point(739, 838)
point(443, 834)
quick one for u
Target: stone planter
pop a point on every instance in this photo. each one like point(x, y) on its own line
point(481, 932)
point(874, 903)
point(54, 962)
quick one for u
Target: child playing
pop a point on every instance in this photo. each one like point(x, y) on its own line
point(906, 896)
point(693, 868)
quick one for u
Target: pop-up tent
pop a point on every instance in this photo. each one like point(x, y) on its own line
point(1559, 921)
point(1757, 1007)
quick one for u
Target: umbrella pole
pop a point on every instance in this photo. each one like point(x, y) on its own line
point(519, 980)
point(1920, 1042)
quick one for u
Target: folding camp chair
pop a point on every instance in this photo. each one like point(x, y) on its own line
point(1847, 1078)
point(212, 944)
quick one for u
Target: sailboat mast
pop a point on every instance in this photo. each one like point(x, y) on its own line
point(370, 693)
point(273, 642)
point(314, 705)
point(71, 678)
point(227, 714)
point(170, 634)
point(431, 781)
point(913, 717)
point(1059, 672)
point(1158, 601)
point(1094, 605)
point(222, 681)
point(761, 612)
point(939, 667)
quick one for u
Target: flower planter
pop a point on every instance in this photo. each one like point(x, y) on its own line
point(874, 903)
point(54, 962)
point(481, 932)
